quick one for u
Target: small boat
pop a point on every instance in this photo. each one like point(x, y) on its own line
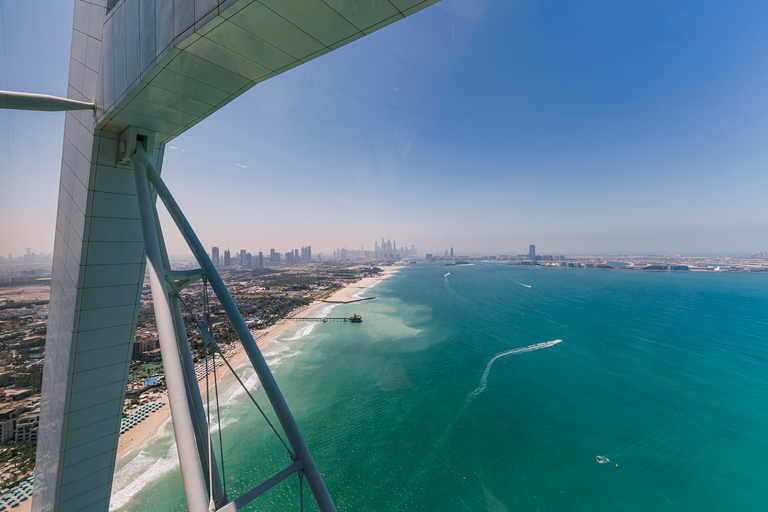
point(602, 460)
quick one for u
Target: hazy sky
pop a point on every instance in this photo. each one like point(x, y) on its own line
point(622, 127)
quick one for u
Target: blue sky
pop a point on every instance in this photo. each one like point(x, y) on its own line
point(612, 127)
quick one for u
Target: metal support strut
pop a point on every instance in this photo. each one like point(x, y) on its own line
point(183, 429)
point(194, 486)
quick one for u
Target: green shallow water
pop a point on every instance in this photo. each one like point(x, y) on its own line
point(664, 374)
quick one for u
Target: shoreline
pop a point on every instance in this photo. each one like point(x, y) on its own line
point(144, 432)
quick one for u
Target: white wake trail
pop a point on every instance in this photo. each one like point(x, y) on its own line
point(521, 284)
point(530, 348)
point(484, 381)
point(474, 394)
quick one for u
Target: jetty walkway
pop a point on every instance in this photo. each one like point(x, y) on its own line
point(355, 319)
point(348, 301)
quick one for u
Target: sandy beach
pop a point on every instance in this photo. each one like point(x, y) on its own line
point(136, 438)
point(142, 433)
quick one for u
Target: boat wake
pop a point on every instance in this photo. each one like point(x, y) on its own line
point(484, 378)
point(484, 382)
point(521, 284)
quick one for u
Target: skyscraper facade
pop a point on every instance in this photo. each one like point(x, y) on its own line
point(227, 261)
point(215, 256)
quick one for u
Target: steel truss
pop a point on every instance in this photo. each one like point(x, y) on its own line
point(203, 487)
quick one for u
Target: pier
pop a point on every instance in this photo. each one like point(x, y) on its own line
point(355, 319)
point(348, 301)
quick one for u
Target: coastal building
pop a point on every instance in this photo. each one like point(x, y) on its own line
point(26, 426)
point(145, 343)
point(306, 253)
point(16, 394)
point(8, 414)
point(532, 252)
point(215, 257)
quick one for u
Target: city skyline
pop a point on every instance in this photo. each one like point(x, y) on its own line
point(478, 125)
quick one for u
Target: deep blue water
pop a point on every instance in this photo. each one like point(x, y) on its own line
point(663, 374)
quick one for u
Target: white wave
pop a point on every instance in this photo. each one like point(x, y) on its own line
point(304, 331)
point(251, 383)
point(226, 420)
point(447, 274)
point(326, 310)
point(530, 348)
point(276, 348)
point(138, 473)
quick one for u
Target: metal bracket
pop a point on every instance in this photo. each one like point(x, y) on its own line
point(126, 146)
point(180, 279)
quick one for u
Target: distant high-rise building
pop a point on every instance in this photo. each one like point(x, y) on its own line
point(215, 257)
point(532, 252)
point(261, 260)
point(242, 257)
point(226, 258)
point(273, 256)
point(295, 255)
point(309, 253)
point(451, 252)
point(413, 250)
point(248, 260)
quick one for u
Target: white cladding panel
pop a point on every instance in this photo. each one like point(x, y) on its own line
point(177, 65)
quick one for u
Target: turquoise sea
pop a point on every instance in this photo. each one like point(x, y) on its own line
point(429, 405)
